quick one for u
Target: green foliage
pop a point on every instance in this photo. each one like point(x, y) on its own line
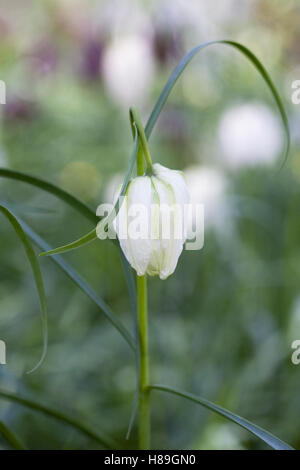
point(189, 280)
point(36, 274)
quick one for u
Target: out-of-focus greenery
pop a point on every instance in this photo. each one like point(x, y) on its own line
point(222, 326)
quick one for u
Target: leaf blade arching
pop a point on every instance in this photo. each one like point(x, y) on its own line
point(84, 240)
point(264, 435)
point(32, 258)
point(10, 437)
point(60, 416)
point(187, 59)
point(93, 234)
point(79, 281)
point(79, 206)
point(52, 189)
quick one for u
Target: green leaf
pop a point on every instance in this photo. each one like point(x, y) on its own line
point(78, 280)
point(265, 436)
point(36, 274)
point(52, 189)
point(130, 282)
point(80, 207)
point(93, 235)
point(10, 437)
point(59, 416)
point(187, 59)
point(89, 237)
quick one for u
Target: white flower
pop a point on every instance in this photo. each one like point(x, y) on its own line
point(153, 241)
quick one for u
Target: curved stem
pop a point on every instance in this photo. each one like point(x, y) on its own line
point(137, 126)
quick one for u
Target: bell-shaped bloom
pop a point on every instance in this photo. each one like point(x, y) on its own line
point(151, 221)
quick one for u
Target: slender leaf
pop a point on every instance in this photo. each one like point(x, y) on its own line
point(59, 416)
point(79, 281)
point(187, 59)
point(265, 436)
point(93, 235)
point(10, 437)
point(89, 237)
point(52, 189)
point(77, 205)
point(36, 274)
point(130, 282)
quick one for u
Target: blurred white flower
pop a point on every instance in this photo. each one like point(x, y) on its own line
point(207, 186)
point(249, 134)
point(128, 68)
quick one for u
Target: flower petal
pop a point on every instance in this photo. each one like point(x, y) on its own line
point(138, 214)
point(171, 238)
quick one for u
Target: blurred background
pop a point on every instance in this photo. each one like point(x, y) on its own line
point(223, 324)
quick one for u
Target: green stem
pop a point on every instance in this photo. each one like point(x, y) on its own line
point(144, 408)
point(143, 363)
point(137, 126)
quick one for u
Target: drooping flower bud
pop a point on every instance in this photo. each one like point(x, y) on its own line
point(150, 224)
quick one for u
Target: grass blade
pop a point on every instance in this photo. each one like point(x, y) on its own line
point(36, 274)
point(88, 238)
point(10, 437)
point(52, 189)
point(79, 281)
point(78, 205)
point(93, 234)
point(130, 282)
point(58, 415)
point(187, 59)
point(265, 436)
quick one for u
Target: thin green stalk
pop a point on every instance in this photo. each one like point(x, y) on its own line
point(137, 126)
point(142, 325)
point(143, 404)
